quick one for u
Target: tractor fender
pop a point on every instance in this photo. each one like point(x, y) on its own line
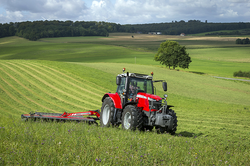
point(130, 103)
point(116, 99)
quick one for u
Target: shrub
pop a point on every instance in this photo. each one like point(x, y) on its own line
point(242, 41)
point(242, 74)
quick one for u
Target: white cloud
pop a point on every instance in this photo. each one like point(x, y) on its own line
point(126, 11)
point(229, 14)
point(101, 10)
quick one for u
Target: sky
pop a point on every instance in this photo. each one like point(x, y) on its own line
point(125, 11)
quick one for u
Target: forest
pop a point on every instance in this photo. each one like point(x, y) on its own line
point(44, 29)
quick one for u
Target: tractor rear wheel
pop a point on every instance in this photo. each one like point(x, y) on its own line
point(107, 112)
point(131, 118)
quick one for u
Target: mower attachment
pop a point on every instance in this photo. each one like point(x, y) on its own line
point(77, 116)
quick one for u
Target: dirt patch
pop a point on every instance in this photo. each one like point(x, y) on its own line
point(6, 42)
point(148, 37)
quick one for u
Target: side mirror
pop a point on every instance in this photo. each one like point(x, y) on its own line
point(118, 80)
point(164, 86)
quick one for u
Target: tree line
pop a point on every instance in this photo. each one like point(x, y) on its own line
point(190, 27)
point(43, 29)
point(235, 32)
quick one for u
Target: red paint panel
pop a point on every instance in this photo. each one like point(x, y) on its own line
point(116, 99)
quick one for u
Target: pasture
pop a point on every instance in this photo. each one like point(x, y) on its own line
point(72, 74)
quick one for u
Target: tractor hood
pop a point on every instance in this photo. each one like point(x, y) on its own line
point(148, 96)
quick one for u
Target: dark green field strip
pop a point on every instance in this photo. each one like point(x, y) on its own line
point(33, 92)
point(71, 92)
point(55, 87)
point(85, 92)
point(95, 89)
point(221, 119)
point(228, 119)
point(232, 113)
point(214, 124)
point(199, 128)
point(31, 99)
point(46, 91)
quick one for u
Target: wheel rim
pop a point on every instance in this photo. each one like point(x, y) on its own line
point(127, 120)
point(105, 114)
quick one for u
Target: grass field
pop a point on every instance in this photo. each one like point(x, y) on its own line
point(72, 74)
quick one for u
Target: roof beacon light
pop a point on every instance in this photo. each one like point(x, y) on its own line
point(123, 69)
point(152, 73)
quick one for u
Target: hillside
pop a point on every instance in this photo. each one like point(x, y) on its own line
point(72, 74)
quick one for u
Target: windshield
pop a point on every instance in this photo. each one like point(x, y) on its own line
point(140, 85)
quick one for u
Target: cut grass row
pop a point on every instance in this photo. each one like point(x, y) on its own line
point(38, 91)
point(45, 90)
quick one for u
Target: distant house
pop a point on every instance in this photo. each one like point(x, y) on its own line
point(182, 34)
point(154, 33)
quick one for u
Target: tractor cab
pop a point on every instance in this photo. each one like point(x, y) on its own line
point(132, 85)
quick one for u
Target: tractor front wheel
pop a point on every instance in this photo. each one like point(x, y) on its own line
point(131, 118)
point(107, 112)
point(174, 128)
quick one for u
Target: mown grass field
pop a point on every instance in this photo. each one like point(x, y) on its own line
point(72, 74)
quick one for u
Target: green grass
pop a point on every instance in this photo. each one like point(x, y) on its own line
point(80, 144)
point(55, 76)
point(219, 58)
point(222, 54)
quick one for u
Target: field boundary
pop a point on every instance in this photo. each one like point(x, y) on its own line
point(231, 79)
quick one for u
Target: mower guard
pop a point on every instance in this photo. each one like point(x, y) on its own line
point(77, 116)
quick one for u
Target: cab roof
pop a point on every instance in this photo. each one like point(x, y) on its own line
point(136, 75)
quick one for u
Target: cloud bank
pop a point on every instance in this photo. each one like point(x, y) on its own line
point(125, 11)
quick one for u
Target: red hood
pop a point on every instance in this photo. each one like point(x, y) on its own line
point(146, 95)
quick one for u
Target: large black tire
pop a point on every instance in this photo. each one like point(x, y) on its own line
point(132, 119)
point(174, 128)
point(148, 128)
point(107, 113)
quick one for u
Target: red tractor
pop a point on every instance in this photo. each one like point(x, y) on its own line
point(135, 106)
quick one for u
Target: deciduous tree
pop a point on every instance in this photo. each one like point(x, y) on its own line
point(171, 53)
